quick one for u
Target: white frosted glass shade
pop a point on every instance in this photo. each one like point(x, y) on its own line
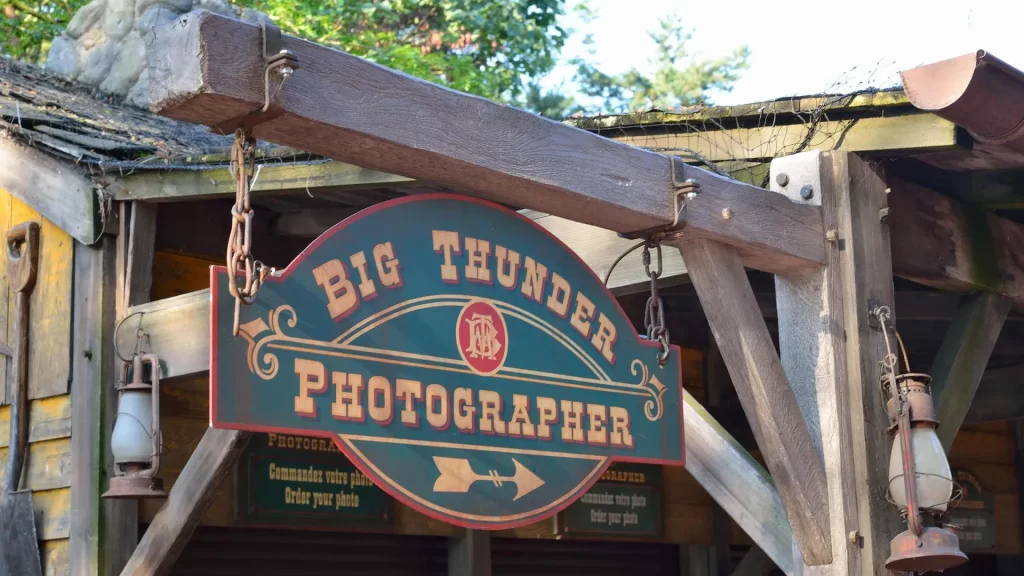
point(132, 440)
point(934, 484)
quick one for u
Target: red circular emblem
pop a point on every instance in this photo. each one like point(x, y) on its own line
point(482, 337)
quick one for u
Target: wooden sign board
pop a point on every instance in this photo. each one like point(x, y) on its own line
point(300, 482)
point(975, 514)
point(625, 504)
point(461, 357)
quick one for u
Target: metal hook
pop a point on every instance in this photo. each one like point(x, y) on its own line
point(138, 335)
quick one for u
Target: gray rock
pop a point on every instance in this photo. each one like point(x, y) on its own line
point(85, 18)
point(139, 94)
point(129, 64)
point(221, 7)
point(63, 57)
point(254, 16)
point(178, 5)
point(118, 19)
point(155, 17)
point(96, 63)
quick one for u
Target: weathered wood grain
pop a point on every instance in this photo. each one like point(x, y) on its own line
point(812, 348)
point(91, 362)
point(48, 419)
point(866, 272)
point(139, 259)
point(179, 328)
point(48, 466)
point(53, 513)
point(737, 483)
point(903, 133)
point(469, 554)
point(1000, 396)
point(55, 557)
point(274, 178)
point(49, 371)
point(206, 69)
point(960, 363)
point(166, 537)
point(940, 242)
point(764, 391)
point(55, 189)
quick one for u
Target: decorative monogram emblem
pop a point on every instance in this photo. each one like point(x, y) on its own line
point(482, 337)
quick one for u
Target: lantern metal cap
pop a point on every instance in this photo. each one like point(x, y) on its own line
point(135, 488)
point(935, 549)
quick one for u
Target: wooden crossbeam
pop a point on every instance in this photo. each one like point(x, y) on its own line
point(764, 391)
point(737, 483)
point(961, 360)
point(187, 501)
point(999, 397)
point(943, 243)
point(208, 69)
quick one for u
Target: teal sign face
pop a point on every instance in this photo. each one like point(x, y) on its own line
point(465, 360)
point(299, 482)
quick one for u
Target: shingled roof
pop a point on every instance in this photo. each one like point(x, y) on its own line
point(103, 134)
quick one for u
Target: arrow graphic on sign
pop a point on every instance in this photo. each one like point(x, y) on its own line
point(457, 476)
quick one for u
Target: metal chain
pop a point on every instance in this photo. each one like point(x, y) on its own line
point(239, 253)
point(654, 313)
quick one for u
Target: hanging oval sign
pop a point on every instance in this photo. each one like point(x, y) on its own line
point(464, 359)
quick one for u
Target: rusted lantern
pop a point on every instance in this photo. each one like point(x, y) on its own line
point(135, 442)
point(920, 481)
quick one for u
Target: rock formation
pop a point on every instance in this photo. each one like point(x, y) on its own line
point(104, 45)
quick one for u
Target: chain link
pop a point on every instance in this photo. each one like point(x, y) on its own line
point(654, 313)
point(239, 253)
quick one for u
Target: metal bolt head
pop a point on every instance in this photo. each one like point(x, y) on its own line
point(726, 213)
point(286, 72)
point(832, 235)
point(782, 179)
point(807, 191)
point(883, 214)
point(854, 537)
point(691, 195)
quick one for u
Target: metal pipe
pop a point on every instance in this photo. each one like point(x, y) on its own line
point(977, 91)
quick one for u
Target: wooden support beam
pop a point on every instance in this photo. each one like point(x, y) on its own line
point(960, 363)
point(764, 391)
point(920, 132)
point(91, 386)
point(737, 483)
point(811, 344)
point(53, 188)
point(187, 501)
point(940, 242)
point(860, 195)
point(999, 397)
point(139, 259)
point(470, 554)
point(180, 185)
point(179, 328)
point(755, 563)
point(207, 69)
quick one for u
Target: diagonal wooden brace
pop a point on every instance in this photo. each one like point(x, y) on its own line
point(768, 401)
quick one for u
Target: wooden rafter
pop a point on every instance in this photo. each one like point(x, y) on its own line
point(463, 143)
point(764, 391)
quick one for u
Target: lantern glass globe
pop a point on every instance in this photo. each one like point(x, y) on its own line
point(934, 478)
point(132, 439)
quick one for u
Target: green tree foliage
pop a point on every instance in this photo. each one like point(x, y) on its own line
point(679, 79)
point(27, 26)
point(484, 47)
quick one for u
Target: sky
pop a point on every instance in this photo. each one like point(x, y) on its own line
point(801, 47)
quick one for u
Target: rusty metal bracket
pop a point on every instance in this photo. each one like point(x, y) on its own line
point(686, 190)
point(279, 64)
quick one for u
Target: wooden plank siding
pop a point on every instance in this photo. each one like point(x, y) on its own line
point(48, 466)
point(987, 451)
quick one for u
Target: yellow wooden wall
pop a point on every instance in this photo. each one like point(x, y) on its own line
point(48, 468)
